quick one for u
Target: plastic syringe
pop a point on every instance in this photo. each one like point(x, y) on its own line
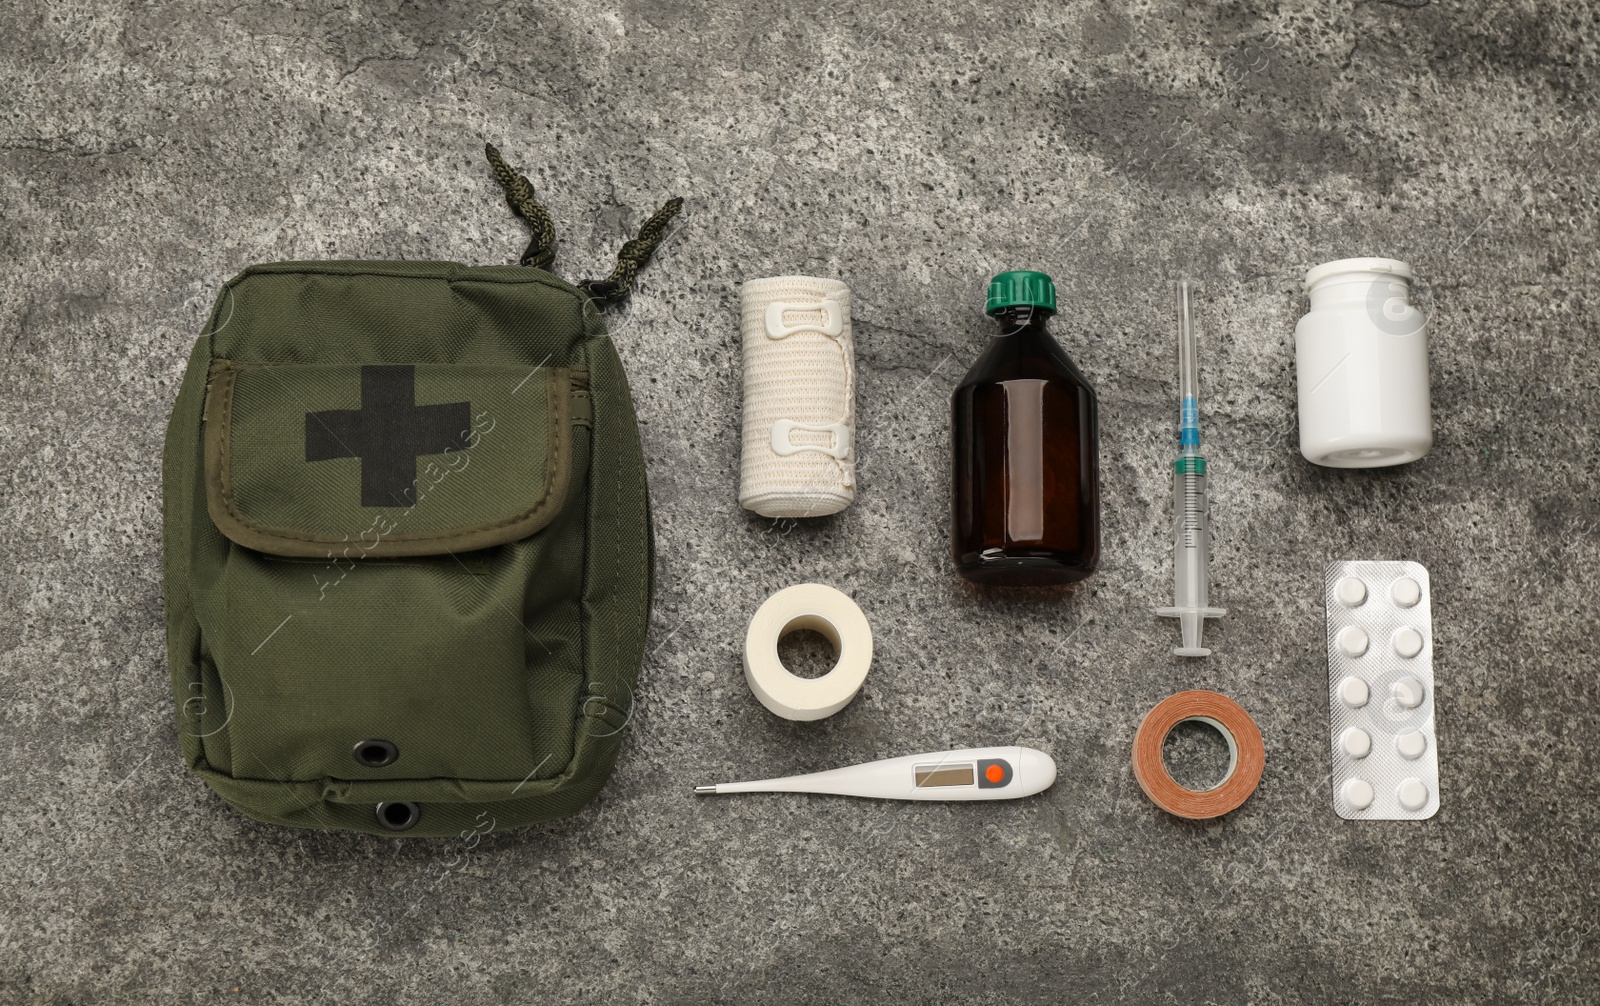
point(1191, 512)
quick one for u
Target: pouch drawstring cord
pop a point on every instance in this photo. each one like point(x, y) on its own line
point(541, 250)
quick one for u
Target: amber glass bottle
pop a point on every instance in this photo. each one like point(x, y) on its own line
point(1025, 431)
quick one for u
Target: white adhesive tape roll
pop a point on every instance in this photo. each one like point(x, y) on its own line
point(822, 609)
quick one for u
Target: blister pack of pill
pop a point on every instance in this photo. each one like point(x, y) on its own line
point(1381, 691)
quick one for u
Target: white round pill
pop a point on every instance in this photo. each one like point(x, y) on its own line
point(1408, 691)
point(1351, 592)
point(1357, 793)
point(1356, 742)
point(1352, 641)
point(1412, 794)
point(1411, 744)
point(1353, 692)
point(1405, 592)
point(1408, 642)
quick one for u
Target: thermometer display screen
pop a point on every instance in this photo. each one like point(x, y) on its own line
point(946, 775)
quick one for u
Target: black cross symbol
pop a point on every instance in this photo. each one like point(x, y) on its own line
point(387, 433)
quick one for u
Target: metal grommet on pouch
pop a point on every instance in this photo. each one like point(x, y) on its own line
point(375, 753)
point(1247, 755)
point(398, 815)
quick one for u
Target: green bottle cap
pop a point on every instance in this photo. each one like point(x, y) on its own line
point(1014, 289)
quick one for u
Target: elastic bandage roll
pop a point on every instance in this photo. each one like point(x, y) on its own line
point(798, 457)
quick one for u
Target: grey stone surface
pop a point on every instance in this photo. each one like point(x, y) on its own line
point(150, 151)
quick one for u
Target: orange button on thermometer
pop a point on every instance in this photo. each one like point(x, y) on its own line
point(1247, 756)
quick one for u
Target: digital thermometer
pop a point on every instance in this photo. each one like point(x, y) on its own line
point(969, 774)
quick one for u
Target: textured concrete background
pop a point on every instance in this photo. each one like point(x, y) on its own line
point(150, 151)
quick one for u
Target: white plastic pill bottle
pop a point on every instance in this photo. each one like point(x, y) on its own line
point(1361, 361)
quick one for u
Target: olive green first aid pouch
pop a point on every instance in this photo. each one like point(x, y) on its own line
point(408, 547)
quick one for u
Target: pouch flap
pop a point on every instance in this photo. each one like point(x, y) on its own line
point(313, 460)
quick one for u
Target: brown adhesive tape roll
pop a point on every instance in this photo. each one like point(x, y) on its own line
point(1248, 756)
